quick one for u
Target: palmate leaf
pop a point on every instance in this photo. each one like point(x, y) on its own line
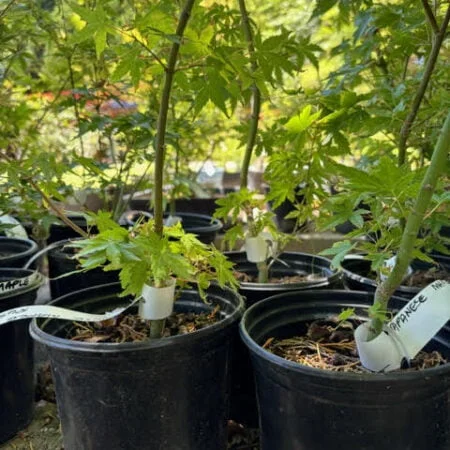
point(300, 122)
point(98, 26)
point(339, 250)
point(144, 257)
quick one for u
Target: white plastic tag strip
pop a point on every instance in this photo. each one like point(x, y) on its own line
point(8, 286)
point(56, 312)
point(408, 332)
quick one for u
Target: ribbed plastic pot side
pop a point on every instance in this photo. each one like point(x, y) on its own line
point(166, 393)
point(303, 407)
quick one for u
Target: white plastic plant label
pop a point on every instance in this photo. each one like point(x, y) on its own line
point(157, 303)
point(9, 286)
point(56, 312)
point(408, 332)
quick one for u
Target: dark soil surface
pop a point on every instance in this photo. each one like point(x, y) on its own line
point(419, 278)
point(422, 278)
point(330, 346)
point(249, 278)
point(131, 328)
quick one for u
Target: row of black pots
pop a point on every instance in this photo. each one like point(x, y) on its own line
point(204, 226)
point(98, 299)
point(104, 391)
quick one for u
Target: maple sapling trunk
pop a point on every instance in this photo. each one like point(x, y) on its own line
point(255, 99)
point(263, 272)
point(158, 325)
point(387, 287)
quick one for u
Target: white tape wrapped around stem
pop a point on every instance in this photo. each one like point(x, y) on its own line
point(157, 303)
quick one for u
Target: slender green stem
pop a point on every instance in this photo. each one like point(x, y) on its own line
point(429, 67)
point(162, 117)
point(157, 328)
point(255, 100)
point(437, 165)
point(263, 272)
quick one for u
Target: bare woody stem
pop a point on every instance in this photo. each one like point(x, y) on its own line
point(53, 206)
point(58, 211)
point(436, 167)
point(162, 117)
point(429, 67)
point(430, 16)
point(255, 99)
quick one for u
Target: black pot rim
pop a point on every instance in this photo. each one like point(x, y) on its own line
point(214, 225)
point(56, 249)
point(274, 287)
point(76, 217)
point(38, 282)
point(411, 290)
point(32, 247)
point(320, 373)
point(38, 334)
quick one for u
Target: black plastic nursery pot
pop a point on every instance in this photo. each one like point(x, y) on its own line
point(170, 393)
point(355, 271)
point(318, 268)
point(16, 252)
point(60, 262)
point(243, 399)
point(194, 205)
point(16, 353)
point(60, 231)
point(205, 227)
point(307, 408)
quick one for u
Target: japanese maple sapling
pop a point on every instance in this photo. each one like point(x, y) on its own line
point(151, 255)
point(262, 239)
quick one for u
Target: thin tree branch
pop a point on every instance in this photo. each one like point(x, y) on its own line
point(407, 124)
point(430, 16)
point(152, 53)
point(255, 100)
point(162, 117)
point(413, 224)
point(56, 209)
point(5, 9)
